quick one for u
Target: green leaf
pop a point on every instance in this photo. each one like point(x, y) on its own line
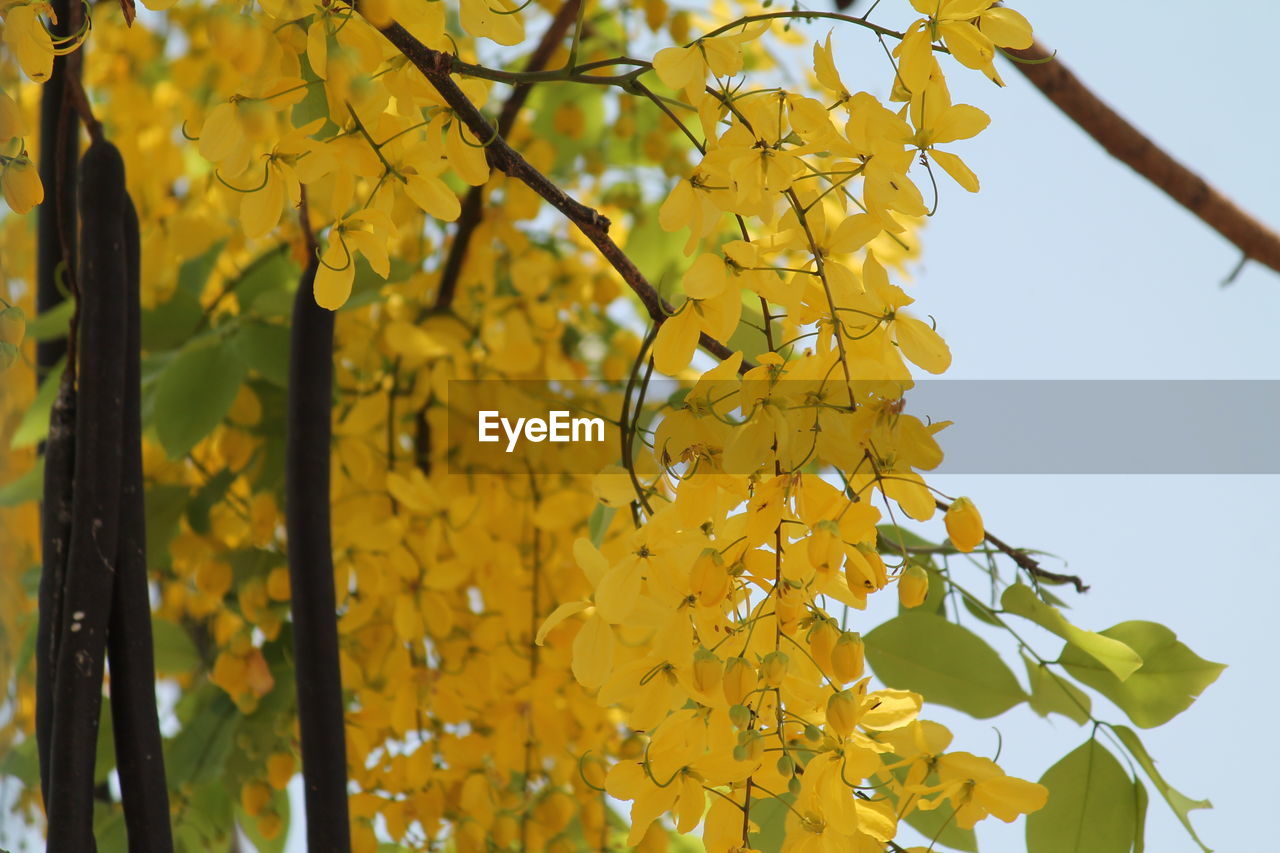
point(195, 392)
point(940, 824)
point(271, 272)
point(946, 663)
point(105, 758)
point(199, 752)
point(891, 537)
point(1091, 806)
point(771, 816)
point(203, 501)
point(598, 523)
point(109, 832)
point(174, 650)
point(35, 420)
point(1141, 800)
point(1170, 679)
point(194, 273)
point(28, 487)
point(165, 506)
point(1117, 657)
point(171, 323)
point(1053, 694)
point(51, 324)
point(264, 347)
point(1181, 804)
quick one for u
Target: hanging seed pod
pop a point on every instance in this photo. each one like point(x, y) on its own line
point(95, 491)
point(139, 752)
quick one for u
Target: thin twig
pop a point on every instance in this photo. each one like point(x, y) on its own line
point(436, 67)
point(1133, 148)
point(1025, 561)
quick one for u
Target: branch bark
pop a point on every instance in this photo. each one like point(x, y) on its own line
point(473, 205)
point(1130, 146)
point(437, 67)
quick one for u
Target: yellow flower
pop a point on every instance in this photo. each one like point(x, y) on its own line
point(26, 36)
point(977, 787)
point(21, 183)
point(11, 121)
point(913, 586)
point(964, 525)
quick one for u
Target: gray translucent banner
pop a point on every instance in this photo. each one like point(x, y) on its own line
point(997, 426)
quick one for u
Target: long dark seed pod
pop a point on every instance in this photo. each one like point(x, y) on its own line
point(55, 530)
point(59, 150)
point(315, 627)
point(139, 756)
point(90, 575)
point(55, 242)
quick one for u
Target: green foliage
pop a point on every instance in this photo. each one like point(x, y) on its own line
point(1181, 804)
point(1118, 658)
point(948, 663)
point(1053, 694)
point(1092, 805)
point(195, 392)
point(1170, 679)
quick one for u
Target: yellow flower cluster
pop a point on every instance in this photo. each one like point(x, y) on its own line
point(516, 649)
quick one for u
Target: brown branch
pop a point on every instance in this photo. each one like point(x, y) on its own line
point(1025, 561)
point(437, 67)
point(473, 205)
point(1130, 146)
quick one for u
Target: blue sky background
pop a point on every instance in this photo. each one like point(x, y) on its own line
point(1067, 265)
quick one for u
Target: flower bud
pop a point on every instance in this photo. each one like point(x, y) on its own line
point(708, 670)
point(739, 680)
point(21, 184)
point(774, 668)
point(913, 586)
point(822, 640)
point(847, 658)
point(842, 713)
point(964, 525)
point(709, 581)
point(740, 716)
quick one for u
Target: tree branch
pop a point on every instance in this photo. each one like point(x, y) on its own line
point(473, 205)
point(436, 67)
point(1025, 561)
point(1130, 146)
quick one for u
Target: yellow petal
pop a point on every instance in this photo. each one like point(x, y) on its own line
point(260, 211)
point(334, 278)
point(1007, 28)
point(957, 169)
point(433, 196)
point(593, 652)
point(921, 344)
point(677, 339)
point(561, 613)
point(960, 122)
point(11, 123)
point(970, 47)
